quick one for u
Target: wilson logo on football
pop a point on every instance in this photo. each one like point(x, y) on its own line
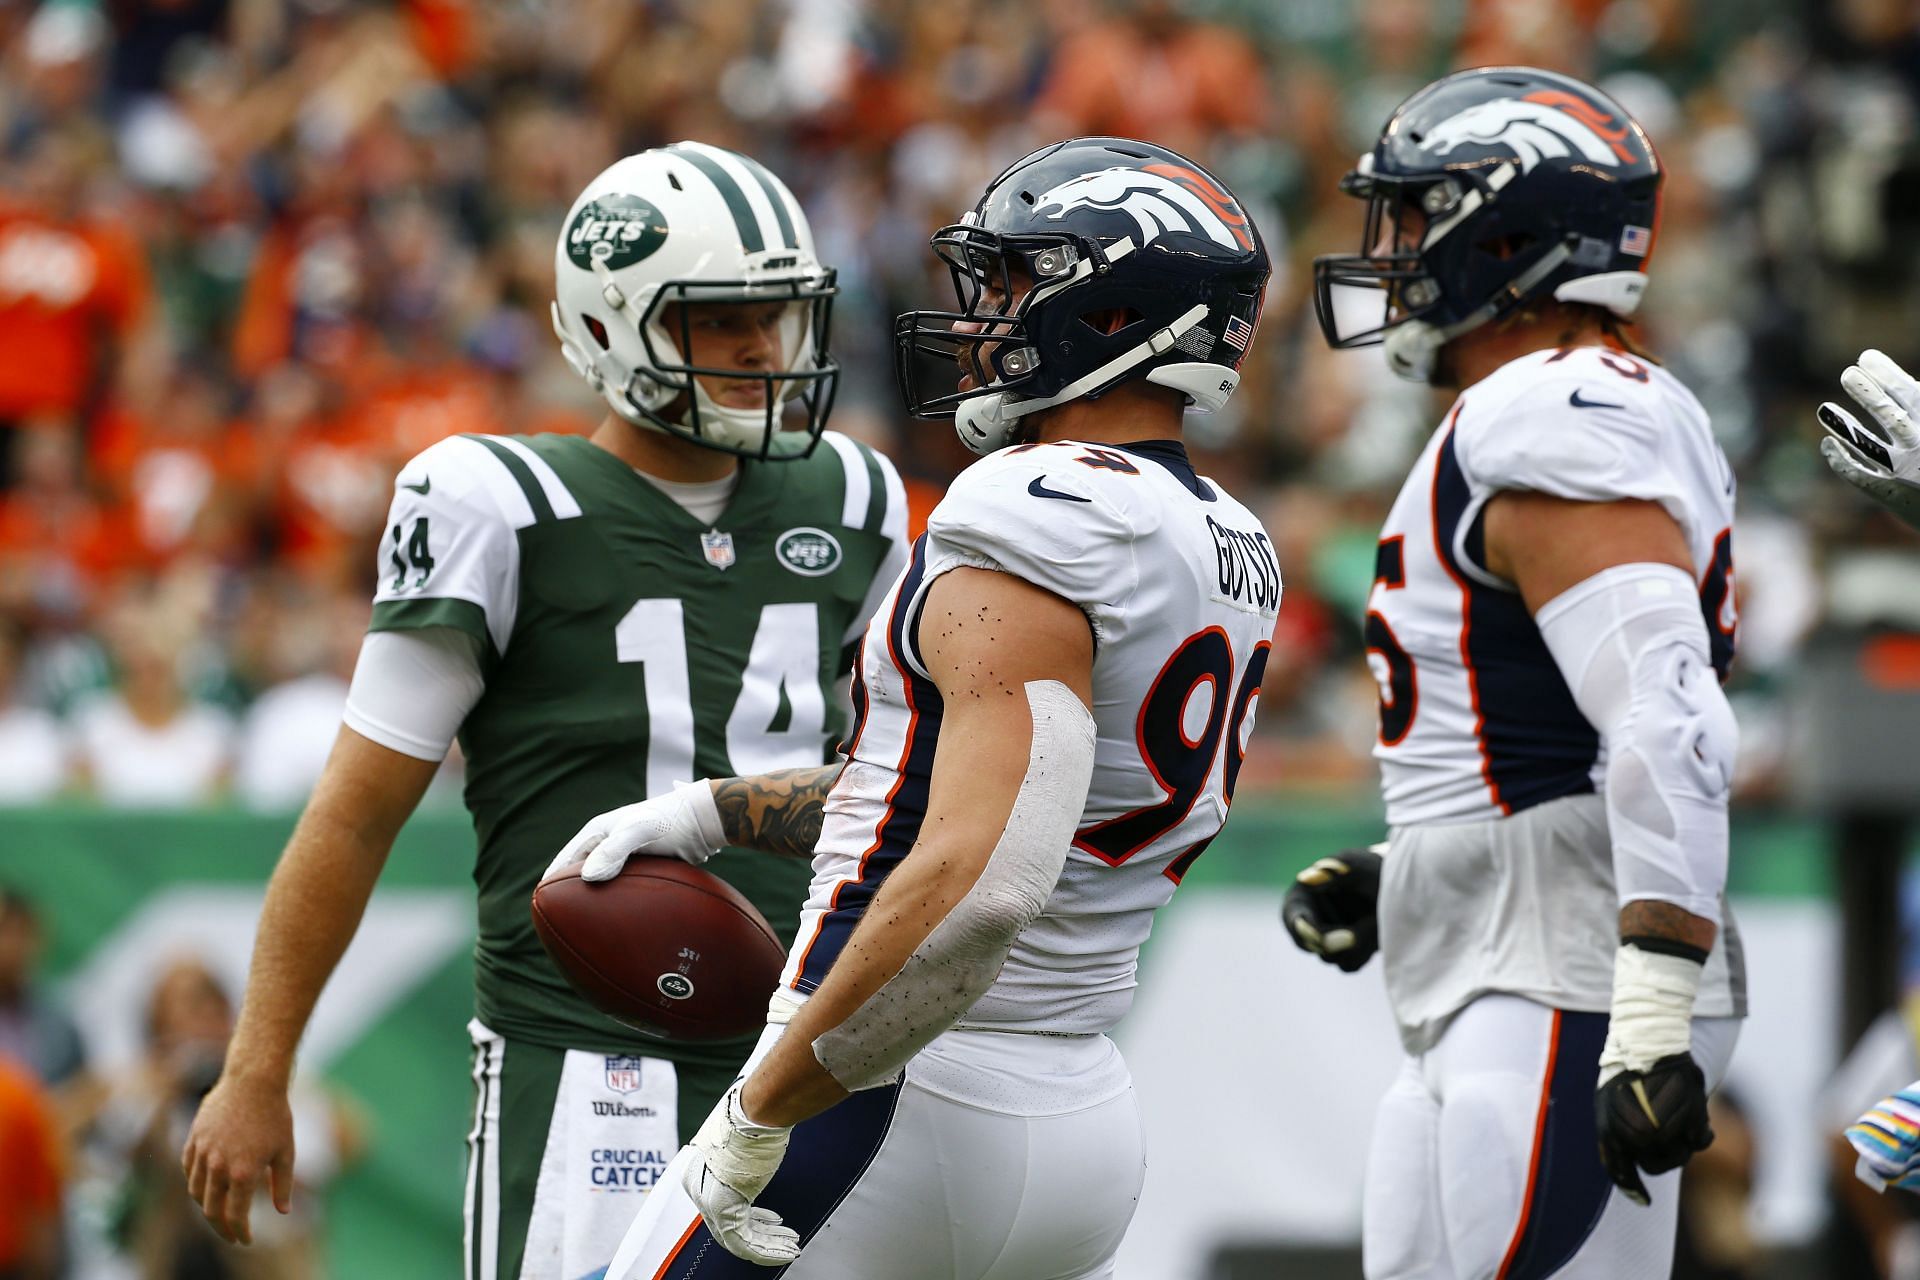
point(1540, 126)
point(1160, 198)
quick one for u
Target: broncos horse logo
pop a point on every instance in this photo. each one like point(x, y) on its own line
point(1159, 198)
point(1537, 127)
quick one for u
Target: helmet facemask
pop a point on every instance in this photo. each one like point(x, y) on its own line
point(997, 280)
point(669, 392)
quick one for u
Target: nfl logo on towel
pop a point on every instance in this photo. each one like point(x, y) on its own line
point(718, 546)
point(623, 1074)
point(1239, 333)
point(1636, 240)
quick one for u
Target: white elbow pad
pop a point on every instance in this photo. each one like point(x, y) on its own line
point(963, 954)
point(1632, 645)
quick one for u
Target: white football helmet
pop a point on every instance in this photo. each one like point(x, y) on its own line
point(694, 224)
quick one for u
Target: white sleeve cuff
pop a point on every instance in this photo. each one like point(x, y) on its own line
point(412, 689)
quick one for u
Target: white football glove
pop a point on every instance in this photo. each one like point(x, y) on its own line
point(1884, 464)
point(684, 823)
point(733, 1160)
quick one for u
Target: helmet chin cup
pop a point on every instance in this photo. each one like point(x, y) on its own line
point(1411, 348)
point(982, 421)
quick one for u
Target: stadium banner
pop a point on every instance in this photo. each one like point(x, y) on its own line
point(1232, 1028)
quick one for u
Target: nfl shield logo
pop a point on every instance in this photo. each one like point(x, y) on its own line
point(623, 1074)
point(718, 546)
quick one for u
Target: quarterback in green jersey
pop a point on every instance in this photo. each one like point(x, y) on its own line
point(674, 597)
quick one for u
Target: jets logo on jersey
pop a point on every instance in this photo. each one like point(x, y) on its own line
point(809, 552)
point(1540, 126)
point(1159, 198)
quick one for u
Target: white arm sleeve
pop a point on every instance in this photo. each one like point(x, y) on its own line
point(1632, 645)
point(956, 963)
point(412, 689)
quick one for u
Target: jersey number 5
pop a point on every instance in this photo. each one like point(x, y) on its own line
point(1181, 764)
point(1389, 660)
point(785, 656)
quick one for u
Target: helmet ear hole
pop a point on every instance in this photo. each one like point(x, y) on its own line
point(1111, 320)
point(1507, 247)
point(598, 330)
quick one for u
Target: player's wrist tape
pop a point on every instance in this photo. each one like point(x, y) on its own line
point(738, 1152)
point(956, 963)
point(701, 806)
point(1652, 1015)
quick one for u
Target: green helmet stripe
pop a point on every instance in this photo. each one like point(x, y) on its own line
point(774, 197)
point(743, 219)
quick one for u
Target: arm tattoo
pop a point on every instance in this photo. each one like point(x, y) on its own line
point(1666, 927)
point(778, 812)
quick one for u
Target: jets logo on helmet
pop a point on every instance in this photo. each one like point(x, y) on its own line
point(1537, 127)
point(618, 230)
point(1159, 198)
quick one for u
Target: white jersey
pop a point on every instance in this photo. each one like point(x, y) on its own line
point(1181, 587)
point(1475, 719)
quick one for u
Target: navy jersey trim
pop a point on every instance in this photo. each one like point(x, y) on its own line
point(1717, 605)
point(1535, 744)
point(1567, 1187)
point(1171, 454)
point(906, 802)
point(825, 1161)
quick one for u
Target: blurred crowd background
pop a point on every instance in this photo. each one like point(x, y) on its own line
point(256, 253)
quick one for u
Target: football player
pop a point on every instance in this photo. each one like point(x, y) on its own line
point(673, 597)
point(1883, 464)
point(1551, 615)
point(1052, 705)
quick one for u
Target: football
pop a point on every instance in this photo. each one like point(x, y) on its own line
point(665, 947)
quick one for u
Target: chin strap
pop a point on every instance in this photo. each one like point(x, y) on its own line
point(1412, 346)
point(985, 422)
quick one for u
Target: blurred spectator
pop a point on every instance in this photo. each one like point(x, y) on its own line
point(1884, 1226)
point(33, 748)
point(147, 741)
point(1715, 1238)
point(73, 288)
point(289, 730)
point(34, 1031)
point(29, 1179)
point(144, 1120)
point(1150, 71)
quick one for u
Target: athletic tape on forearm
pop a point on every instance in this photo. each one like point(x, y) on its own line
point(1632, 644)
point(959, 960)
point(1652, 1014)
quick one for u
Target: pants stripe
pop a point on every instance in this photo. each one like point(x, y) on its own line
point(1567, 1187)
point(1539, 1140)
point(483, 1165)
point(827, 1157)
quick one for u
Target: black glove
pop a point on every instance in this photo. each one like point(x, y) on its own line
point(1653, 1119)
point(1329, 908)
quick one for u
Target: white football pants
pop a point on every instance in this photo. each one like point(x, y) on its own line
point(1485, 1164)
point(998, 1157)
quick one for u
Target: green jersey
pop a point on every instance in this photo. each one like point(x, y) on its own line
point(625, 646)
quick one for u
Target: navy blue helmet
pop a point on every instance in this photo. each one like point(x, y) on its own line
point(1086, 264)
point(1489, 189)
